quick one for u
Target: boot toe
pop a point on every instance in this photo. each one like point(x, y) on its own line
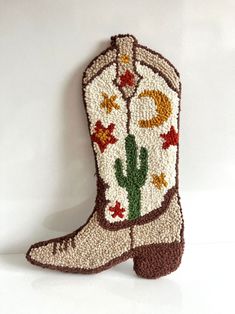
point(41, 254)
point(90, 250)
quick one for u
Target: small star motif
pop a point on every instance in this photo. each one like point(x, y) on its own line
point(171, 138)
point(159, 181)
point(103, 136)
point(109, 103)
point(124, 59)
point(117, 210)
point(127, 79)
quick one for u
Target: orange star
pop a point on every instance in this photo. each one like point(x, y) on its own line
point(159, 181)
point(109, 103)
point(124, 59)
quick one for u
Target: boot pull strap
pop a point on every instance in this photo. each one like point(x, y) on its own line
point(127, 77)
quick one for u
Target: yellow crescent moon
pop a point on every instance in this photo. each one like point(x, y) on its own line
point(163, 108)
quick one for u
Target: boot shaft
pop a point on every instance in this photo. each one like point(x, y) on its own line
point(132, 97)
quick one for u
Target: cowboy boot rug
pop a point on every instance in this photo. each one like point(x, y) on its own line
point(132, 99)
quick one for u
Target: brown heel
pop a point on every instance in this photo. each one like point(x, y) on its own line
point(157, 260)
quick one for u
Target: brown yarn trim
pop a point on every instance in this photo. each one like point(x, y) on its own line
point(150, 261)
point(101, 203)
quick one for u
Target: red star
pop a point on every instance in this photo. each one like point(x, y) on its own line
point(117, 210)
point(127, 79)
point(103, 136)
point(171, 138)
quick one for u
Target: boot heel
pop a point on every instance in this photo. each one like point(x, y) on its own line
point(157, 260)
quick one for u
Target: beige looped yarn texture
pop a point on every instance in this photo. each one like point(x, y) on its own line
point(132, 99)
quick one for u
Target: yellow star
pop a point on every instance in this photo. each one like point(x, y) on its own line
point(159, 181)
point(109, 103)
point(124, 58)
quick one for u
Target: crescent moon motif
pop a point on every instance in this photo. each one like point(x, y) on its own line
point(163, 108)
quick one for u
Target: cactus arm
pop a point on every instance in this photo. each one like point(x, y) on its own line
point(122, 180)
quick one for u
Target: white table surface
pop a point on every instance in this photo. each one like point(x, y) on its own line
point(203, 284)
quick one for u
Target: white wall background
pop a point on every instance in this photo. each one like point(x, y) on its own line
point(47, 183)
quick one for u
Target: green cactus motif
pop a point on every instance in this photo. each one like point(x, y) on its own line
point(135, 177)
